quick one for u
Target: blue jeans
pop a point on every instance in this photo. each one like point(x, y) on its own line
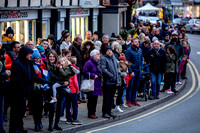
point(72, 100)
point(1, 112)
point(132, 88)
point(124, 91)
point(155, 83)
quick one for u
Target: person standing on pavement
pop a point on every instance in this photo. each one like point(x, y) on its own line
point(75, 49)
point(10, 57)
point(179, 49)
point(133, 55)
point(92, 68)
point(23, 76)
point(111, 77)
point(3, 77)
point(156, 59)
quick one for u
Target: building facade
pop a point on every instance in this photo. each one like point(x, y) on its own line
point(32, 19)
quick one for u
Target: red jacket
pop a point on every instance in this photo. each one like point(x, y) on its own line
point(73, 85)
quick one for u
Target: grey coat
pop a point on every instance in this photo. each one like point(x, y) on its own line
point(110, 70)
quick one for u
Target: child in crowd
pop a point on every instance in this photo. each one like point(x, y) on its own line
point(171, 70)
point(37, 93)
point(183, 62)
point(65, 72)
point(145, 72)
point(123, 64)
point(42, 52)
point(72, 99)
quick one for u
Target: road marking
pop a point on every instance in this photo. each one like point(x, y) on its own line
point(164, 107)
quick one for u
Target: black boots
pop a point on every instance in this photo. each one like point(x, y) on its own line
point(57, 127)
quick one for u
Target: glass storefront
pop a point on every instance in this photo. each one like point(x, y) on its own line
point(23, 30)
point(79, 25)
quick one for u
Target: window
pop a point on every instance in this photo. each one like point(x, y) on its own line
point(23, 30)
point(79, 25)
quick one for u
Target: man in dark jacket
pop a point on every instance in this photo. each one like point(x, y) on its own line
point(133, 55)
point(3, 76)
point(111, 77)
point(75, 48)
point(156, 58)
point(145, 46)
point(177, 45)
point(22, 77)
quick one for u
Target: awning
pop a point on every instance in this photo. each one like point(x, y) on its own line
point(148, 7)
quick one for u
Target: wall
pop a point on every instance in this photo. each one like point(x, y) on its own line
point(111, 23)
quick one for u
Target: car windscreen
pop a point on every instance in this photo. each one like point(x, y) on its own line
point(197, 21)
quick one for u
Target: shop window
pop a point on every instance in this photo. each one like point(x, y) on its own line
point(23, 30)
point(79, 25)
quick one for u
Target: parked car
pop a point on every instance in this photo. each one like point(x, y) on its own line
point(176, 21)
point(183, 22)
point(193, 25)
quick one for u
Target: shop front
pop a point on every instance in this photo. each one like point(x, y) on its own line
point(23, 22)
point(79, 22)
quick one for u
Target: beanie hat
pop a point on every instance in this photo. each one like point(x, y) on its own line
point(24, 51)
point(10, 31)
point(40, 49)
point(35, 54)
point(154, 38)
point(175, 33)
point(108, 47)
point(122, 58)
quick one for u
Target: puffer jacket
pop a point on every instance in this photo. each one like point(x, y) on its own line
point(134, 55)
point(6, 39)
point(110, 70)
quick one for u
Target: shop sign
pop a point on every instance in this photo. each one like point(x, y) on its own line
point(177, 3)
point(79, 12)
point(17, 15)
point(89, 3)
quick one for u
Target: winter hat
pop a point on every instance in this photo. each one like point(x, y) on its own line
point(122, 57)
point(154, 39)
point(24, 51)
point(10, 31)
point(40, 49)
point(35, 54)
point(175, 33)
point(108, 47)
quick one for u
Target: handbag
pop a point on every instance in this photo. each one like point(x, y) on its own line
point(87, 85)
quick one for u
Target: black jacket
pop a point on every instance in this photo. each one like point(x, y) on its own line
point(23, 75)
point(178, 47)
point(3, 77)
point(156, 60)
point(76, 51)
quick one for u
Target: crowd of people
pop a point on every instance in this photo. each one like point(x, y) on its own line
point(47, 76)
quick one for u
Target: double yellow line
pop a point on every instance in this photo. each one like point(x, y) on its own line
point(181, 99)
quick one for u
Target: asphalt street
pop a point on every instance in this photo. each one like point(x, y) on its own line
point(180, 114)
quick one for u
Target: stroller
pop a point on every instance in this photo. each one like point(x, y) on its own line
point(144, 89)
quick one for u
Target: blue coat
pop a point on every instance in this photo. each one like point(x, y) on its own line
point(93, 67)
point(134, 56)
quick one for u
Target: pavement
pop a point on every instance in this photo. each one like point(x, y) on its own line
point(91, 123)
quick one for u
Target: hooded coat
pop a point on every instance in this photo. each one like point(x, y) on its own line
point(23, 75)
